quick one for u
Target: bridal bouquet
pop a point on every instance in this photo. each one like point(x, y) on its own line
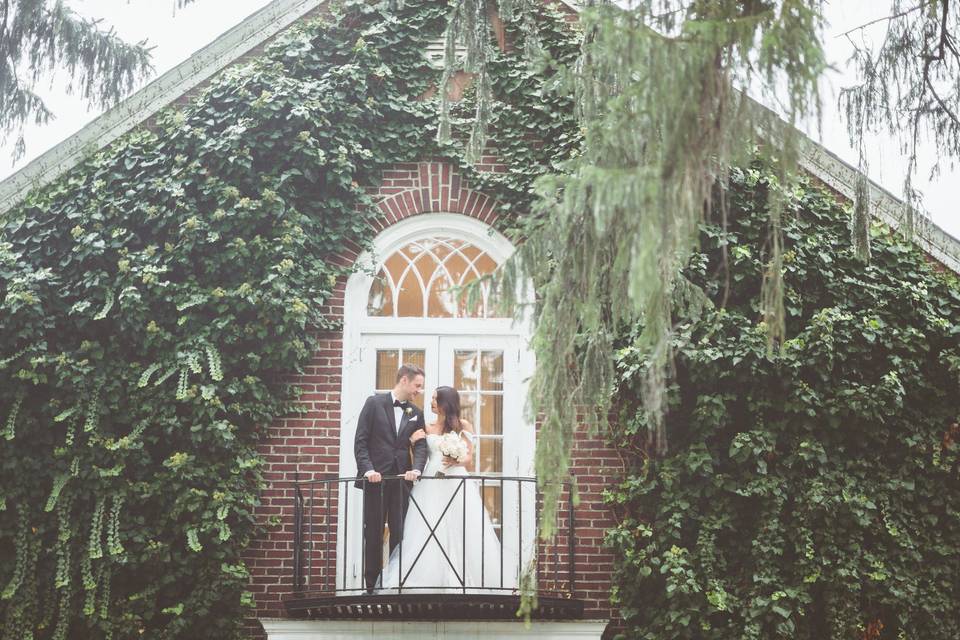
point(452, 445)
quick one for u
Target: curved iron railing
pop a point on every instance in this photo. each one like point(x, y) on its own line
point(327, 543)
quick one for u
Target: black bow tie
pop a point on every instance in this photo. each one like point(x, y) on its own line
point(402, 405)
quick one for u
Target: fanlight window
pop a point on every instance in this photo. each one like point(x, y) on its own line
point(421, 280)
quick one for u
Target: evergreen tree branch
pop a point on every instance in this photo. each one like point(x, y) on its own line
point(40, 37)
point(894, 16)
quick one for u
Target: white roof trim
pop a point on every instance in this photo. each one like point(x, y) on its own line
point(280, 14)
point(141, 105)
point(842, 177)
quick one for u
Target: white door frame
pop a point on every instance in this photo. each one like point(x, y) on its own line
point(357, 326)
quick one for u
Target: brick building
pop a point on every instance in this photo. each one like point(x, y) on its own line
point(434, 231)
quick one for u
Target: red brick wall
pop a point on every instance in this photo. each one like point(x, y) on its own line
point(596, 466)
point(306, 446)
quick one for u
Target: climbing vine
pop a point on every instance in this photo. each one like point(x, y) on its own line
point(813, 494)
point(153, 299)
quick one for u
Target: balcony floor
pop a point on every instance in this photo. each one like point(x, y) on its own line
point(428, 606)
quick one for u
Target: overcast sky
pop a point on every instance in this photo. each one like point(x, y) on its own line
point(175, 37)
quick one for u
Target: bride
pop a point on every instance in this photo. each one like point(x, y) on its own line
point(449, 543)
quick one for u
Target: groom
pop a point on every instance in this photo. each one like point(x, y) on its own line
point(381, 449)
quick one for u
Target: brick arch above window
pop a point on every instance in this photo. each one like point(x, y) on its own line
point(432, 187)
point(414, 188)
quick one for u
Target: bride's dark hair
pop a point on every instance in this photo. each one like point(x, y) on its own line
point(448, 402)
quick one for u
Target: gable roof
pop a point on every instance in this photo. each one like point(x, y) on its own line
point(276, 16)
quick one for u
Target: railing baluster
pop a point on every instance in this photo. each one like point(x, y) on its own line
point(463, 535)
point(557, 577)
point(363, 534)
point(383, 516)
point(297, 536)
point(330, 536)
point(309, 580)
point(483, 529)
point(400, 580)
point(503, 530)
point(519, 529)
point(571, 542)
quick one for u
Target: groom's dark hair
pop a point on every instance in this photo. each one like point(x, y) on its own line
point(409, 371)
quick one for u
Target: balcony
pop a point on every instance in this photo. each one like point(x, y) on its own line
point(328, 562)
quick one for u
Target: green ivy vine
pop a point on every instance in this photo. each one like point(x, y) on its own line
point(153, 300)
point(811, 495)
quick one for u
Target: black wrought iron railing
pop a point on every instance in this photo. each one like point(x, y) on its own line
point(329, 538)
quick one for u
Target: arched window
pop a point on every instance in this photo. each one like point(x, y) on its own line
point(425, 279)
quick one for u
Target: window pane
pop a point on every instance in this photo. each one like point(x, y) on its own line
point(388, 361)
point(411, 297)
point(456, 267)
point(491, 367)
point(468, 407)
point(416, 357)
point(470, 252)
point(465, 370)
point(485, 265)
point(465, 295)
point(440, 300)
point(380, 302)
point(394, 267)
point(491, 455)
point(491, 415)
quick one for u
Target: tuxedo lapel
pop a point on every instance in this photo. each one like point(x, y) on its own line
point(388, 411)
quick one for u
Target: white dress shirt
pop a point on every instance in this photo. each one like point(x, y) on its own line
point(397, 412)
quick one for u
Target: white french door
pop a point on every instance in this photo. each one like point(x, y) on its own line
point(486, 371)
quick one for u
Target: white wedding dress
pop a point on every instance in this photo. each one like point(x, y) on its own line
point(455, 558)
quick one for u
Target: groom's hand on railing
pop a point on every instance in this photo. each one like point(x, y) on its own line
point(411, 476)
point(374, 476)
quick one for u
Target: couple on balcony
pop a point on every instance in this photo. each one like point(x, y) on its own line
point(448, 540)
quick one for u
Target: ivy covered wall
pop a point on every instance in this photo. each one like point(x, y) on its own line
point(153, 299)
point(814, 494)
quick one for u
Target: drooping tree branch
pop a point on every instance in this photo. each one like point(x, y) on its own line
point(661, 124)
point(42, 37)
point(913, 73)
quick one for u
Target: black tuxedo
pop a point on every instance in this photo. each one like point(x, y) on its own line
point(380, 446)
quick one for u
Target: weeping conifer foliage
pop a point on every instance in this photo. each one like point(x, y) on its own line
point(40, 36)
point(662, 120)
point(909, 87)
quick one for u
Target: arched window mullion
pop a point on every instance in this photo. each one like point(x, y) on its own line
point(438, 265)
point(403, 276)
point(416, 273)
point(471, 266)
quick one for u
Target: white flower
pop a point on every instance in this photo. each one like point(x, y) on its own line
point(453, 446)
